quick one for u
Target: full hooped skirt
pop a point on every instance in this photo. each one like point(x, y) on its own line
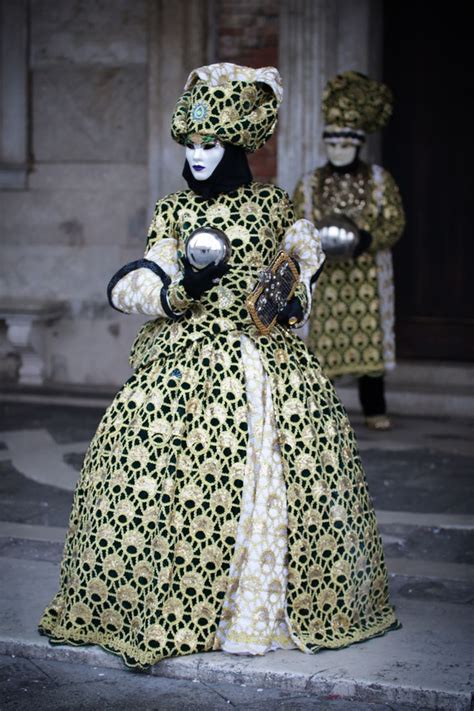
point(155, 516)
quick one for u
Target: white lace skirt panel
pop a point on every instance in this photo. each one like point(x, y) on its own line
point(254, 614)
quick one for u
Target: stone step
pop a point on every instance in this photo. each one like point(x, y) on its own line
point(433, 543)
point(425, 664)
point(421, 388)
point(434, 373)
point(444, 521)
point(427, 580)
point(45, 685)
point(419, 399)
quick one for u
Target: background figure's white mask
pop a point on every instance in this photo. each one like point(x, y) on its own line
point(203, 158)
point(340, 153)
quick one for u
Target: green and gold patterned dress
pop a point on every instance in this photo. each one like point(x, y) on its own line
point(352, 322)
point(222, 503)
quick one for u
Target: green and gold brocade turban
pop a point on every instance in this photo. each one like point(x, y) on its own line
point(238, 105)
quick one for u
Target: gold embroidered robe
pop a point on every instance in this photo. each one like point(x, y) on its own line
point(351, 327)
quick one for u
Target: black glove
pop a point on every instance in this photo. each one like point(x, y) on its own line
point(293, 309)
point(364, 243)
point(196, 283)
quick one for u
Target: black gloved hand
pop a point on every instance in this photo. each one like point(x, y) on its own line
point(196, 283)
point(364, 243)
point(293, 309)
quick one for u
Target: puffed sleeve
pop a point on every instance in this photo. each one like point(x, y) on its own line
point(390, 221)
point(302, 241)
point(152, 285)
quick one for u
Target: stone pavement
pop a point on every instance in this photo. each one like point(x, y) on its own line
point(56, 686)
point(419, 476)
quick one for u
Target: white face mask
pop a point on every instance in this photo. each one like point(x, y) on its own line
point(341, 154)
point(203, 158)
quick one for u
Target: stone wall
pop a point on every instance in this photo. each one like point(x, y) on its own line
point(82, 214)
point(95, 75)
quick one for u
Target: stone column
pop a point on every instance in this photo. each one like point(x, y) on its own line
point(13, 94)
point(319, 38)
point(181, 37)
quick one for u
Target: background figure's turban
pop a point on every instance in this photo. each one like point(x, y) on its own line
point(238, 105)
point(352, 101)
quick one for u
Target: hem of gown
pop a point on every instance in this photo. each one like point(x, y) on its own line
point(254, 649)
point(58, 636)
point(378, 630)
point(294, 637)
point(248, 643)
point(134, 659)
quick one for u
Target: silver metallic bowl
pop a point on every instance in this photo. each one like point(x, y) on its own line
point(339, 237)
point(207, 245)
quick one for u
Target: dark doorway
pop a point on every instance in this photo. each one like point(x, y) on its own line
point(428, 147)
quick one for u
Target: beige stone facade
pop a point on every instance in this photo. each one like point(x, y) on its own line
point(97, 159)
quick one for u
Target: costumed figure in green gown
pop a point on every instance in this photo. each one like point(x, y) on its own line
point(222, 503)
point(351, 327)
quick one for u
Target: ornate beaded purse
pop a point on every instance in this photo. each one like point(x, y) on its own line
point(275, 287)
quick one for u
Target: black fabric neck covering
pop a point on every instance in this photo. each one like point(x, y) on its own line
point(230, 173)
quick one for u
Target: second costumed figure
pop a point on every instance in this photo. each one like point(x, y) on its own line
point(352, 321)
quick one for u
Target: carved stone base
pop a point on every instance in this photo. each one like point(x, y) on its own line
point(20, 318)
point(19, 330)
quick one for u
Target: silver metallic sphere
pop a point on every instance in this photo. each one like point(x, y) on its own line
point(339, 237)
point(207, 245)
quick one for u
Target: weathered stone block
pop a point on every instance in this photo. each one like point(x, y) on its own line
point(103, 177)
point(88, 32)
point(74, 275)
point(73, 218)
point(90, 114)
point(91, 351)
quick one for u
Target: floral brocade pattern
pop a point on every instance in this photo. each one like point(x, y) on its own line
point(238, 105)
point(349, 311)
point(155, 517)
